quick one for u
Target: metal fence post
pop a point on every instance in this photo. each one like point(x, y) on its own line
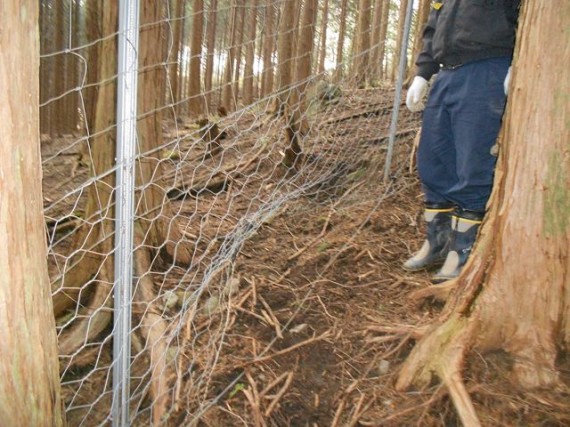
point(398, 95)
point(124, 205)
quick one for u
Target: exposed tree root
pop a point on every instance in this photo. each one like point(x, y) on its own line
point(81, 270)
point(441, 353)
point(93, 319)
point(439, 292)
point(153, 329)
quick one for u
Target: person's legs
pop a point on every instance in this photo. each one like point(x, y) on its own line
point(436, 155)
point(477, 102)
point(436, 160)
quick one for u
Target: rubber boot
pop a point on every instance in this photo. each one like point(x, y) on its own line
point(465, 226)
point(435, 246)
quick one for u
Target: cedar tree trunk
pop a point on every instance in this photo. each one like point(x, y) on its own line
point(514, 293)
point(29, 379)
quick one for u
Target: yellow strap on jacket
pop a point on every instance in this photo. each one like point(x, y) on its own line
point(437, 5)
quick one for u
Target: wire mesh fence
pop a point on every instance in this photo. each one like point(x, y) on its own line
point(244, 110)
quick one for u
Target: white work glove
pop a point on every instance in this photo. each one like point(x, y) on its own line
point(507, 81)
point(416, 93)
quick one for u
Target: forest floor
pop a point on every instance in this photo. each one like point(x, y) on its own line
point(320, 283)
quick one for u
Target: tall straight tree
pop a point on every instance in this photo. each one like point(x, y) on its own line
point(89, 275)
point(362, 54)
point(248, 90)
point(420, 22)
point(174, 75)
point(240, 29)
point(29, 369)
point(383, 38)
point(287, 33)
point(60, 64)
point(323, 38)
point(210, 49)
point(268, 49)
point(399, 39)
point(195, 99)
point(514, 293)
point(228, 100)
point(296, 106)
point(339, 71)
point(375, 66)
point(98, 213)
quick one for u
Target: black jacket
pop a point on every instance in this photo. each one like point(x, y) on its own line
point(460, 31)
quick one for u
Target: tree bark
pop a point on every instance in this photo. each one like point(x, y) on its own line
point(514, 292)
point(211, 25)
point(375, 48)
point(195, 99)
point(421, 19)
point(399, 39)
point(339, 71)
point(174, 74)
point(268, 50)
point(382, 39)
point(239, 50)
point(296, 108)
point(323, 39)
point(228, 96)
point(95, 237)
point(248, 89)
point(363, 44)
point(287, 33)
point(29, 370)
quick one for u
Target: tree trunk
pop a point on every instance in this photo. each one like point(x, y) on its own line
point(174, 74)
point(268, 50)
point(239, 50)
point(382, 39)
point(228, 95)
point(339, 71)
point(323, 39)
point(29, 370)
point(399, 39)
point(304, 57)
point(363, 44)
point(375, 48)
point(60, 68)
point(287, 33)
point(95, 237)
point(295, 115)
point(514, 293)
point(248, 91)
point(210, 49)
point(98, 210)
point(195, 99)
point(421, 19)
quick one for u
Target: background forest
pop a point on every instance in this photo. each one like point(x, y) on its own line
point(273, 206)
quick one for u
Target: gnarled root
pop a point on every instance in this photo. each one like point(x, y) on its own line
point(441, 353)
point(93, 319)
point(438, 292)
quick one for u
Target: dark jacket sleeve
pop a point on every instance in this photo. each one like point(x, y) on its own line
point(425, 63)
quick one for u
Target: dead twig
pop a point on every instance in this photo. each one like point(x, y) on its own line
point(286, 350)
point(314, 240)
point(279, 395)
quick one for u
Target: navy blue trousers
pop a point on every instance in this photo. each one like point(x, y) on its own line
point(461, 122)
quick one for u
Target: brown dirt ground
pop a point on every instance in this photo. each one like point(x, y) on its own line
point(302, 345)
